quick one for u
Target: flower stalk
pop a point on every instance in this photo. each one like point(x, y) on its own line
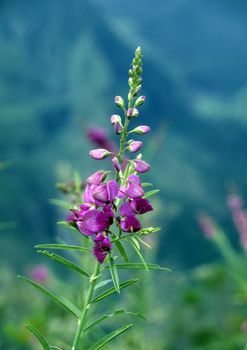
point(83, 319)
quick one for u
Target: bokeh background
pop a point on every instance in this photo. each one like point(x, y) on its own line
point(61, 64)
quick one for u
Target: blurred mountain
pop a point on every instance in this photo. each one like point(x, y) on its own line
point(61, 64)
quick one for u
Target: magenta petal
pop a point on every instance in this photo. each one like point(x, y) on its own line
point(126, 209)
point(102, 246)
point(100, 193)
point(112, 190)
point(141, 166)
point(121, 192)
point(99, 153)
point(96, 178)
point(92, 221)
point(134, 191)
point(141, 206)
point(134, 179)
point(130, 224)
point(88, 195)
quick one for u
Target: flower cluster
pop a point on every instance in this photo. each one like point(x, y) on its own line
point(116, 201)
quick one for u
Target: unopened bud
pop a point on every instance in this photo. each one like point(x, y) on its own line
point(119, 101)
point(135, 146)
point(140, 130)
point(117, 122)
point(132, 112)
point(99, 153)
point(116, 164)
point(139, 101)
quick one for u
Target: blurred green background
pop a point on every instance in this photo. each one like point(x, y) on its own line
point(61, 64)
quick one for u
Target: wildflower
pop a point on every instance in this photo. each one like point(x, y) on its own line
point(141, 205)
point(206, 224)
point(119, 102)
point(96, 178)
point(135, 146)
point(134, 189)
point(130, 224)
point(39, 274)
point(116, 164)
point(141, 166)
point(116, 121)
point(105, 192)
point(140, 100)
point(141, 129)
point(132, 112)
point(99, 153)
point(93, 221)
point(102, 246)
point(99, 137)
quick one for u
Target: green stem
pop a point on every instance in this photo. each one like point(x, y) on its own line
point(82, 320)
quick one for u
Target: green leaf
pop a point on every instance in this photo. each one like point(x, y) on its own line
point(115, 313)
point(60, 301)
point(148, 230)
point(122, 250)
point(144, 243)
point(102, 284)
point(114, 274)
point(61, 260)
point(136, 243)
point(146, 184)
point(139, 254)
point(141, 266)
point(102, 342)
point(62, 247)
point(61, 203)
point(39, 336)
point(150, 193)
point(55, 348)
point(111, 291)
point(67, 225)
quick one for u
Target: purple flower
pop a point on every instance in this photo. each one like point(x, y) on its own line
point(88, 194)
point(102, 246)
point(93, 221)
point(141, 166)
point(116, 164)
point(135, 146)
point(134, 189)
point(99, 153)
point(39, 274)
point(119, 101)
point(141, 205)
point(96, 178)
point(206, 224)
point(116, 121)
point(130, 224)
point(140, 100)
point(141, 129)
point(105, 192)
point(126, 209)
point(99, 137)
point(132, 112)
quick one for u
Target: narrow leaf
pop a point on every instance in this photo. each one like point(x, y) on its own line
point(102, 342)
point(136, 243)
point(39, 336)
point(148, 230)
point(60, 301)
point(139, 254)
point(146, 184)
point(102, 284)
point(140, 266)
point(67, 225)
point(111, 291)
point(150, 193)
point(114, 274)
point(61, 260)
point(115, 313)
point(55, 347)
point(144, 243)
point(62, 247)
point(122, 250)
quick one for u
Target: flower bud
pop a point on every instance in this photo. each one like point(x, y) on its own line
point(119, 101)
point(116, 164)
point(140, 130)
point(132, 112)
point(141, 166)
point(140, 100)
point(96, 178)
point(117, 122)
point(99, 153)
point(134, 146)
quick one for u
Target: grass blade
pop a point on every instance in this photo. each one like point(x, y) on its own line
point(61, 260)
point(39, 336)
point(111, 291)
point(66, 304)
point(115, 313)
point(62, 247)
point(102, 342)
point(114, 274)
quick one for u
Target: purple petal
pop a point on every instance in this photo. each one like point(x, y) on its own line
point(130, 224)
point(121, 192)
point(99, 153)
point(100, 193)
point(112, 190)
point(134, 191)
point(126, 209)
point(141, 206)
point(134, 146)
point(102, 246)
point(88, 194)
point(96, 178)
point(134, 179)
point(92, 221)
point(141, 166)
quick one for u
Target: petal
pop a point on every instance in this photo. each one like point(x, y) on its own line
point(112, 190)
point(141, 206)
point(126, 209)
